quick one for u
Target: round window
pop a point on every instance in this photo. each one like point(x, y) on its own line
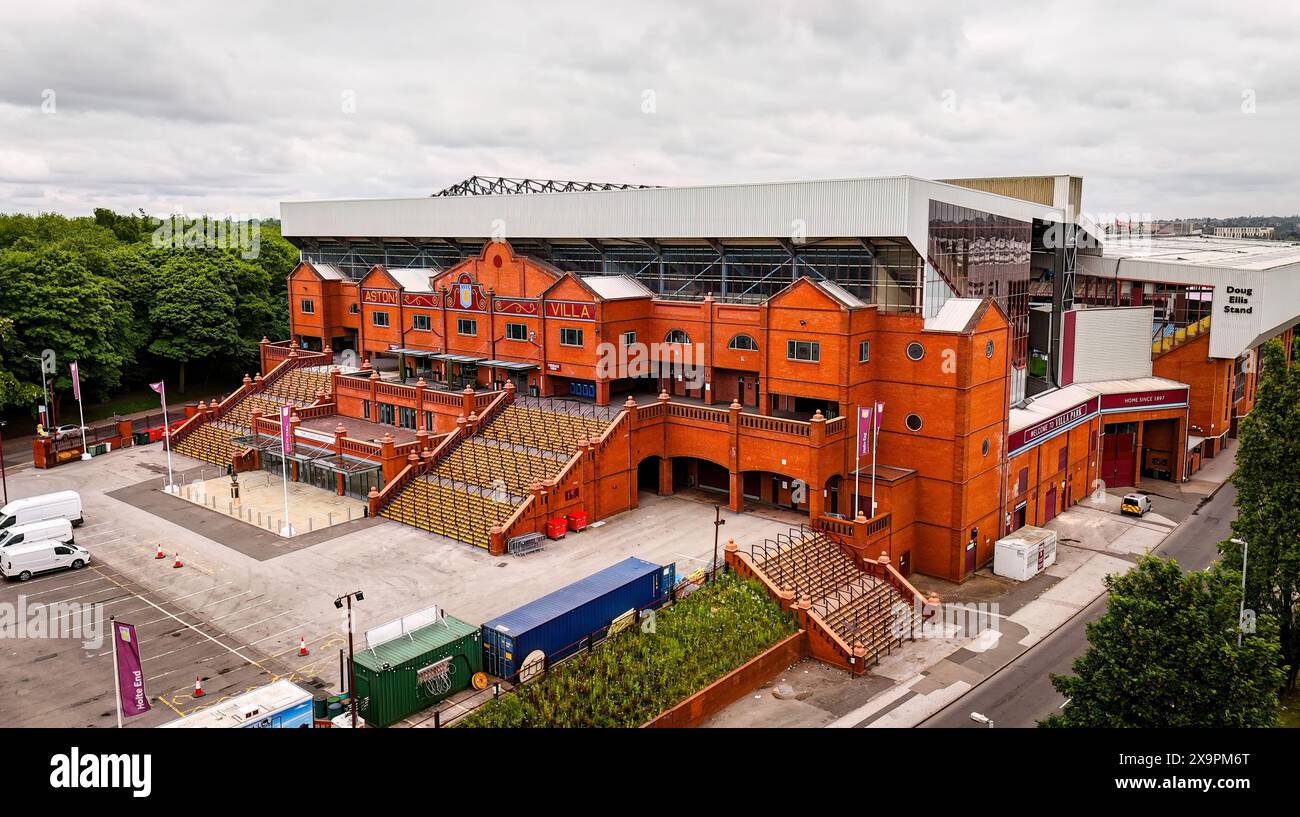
point(984, 448)
point(913, 422)
point(988, 349)
point(915, 351)
point(497, 261)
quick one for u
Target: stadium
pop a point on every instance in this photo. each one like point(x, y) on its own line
point(445, 363)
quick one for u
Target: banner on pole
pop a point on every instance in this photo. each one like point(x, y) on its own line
point(286, 430)
point(864, 430)
point(76, 381)
point(158, 387)
point(880, 409)
point(135, 701)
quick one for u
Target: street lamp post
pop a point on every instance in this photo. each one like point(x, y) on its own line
point(718, 522)
point(352, 669)
point(1241, 611)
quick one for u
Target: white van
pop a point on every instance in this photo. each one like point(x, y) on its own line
point(60, 505)
point(21, 562)
point(51, 529)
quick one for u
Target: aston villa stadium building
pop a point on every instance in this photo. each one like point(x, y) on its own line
point(509, 354)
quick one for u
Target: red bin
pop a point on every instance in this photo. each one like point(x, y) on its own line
point(577, 520)
point(556, 527)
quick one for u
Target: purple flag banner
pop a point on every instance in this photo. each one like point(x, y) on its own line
point(864, 431)
point(880, 409)
point(286, 429)
point(76, 381)
point(158, 387)
point(130, 677)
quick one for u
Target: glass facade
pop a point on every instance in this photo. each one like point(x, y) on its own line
point(883, 273)
point(980, 255)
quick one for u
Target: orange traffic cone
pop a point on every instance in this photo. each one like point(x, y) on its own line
point(302, 646)
point(159, 554)
point(198, 687)
point(177, 563)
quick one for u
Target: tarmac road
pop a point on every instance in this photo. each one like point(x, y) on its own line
point(1021, 693)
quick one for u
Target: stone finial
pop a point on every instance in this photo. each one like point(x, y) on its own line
point(257, 378)
point(412, 458)
point(365, 363)
point(933, 599)
point(861, 517)
point(327, 350)
point(340, 429)
point(374, 374)
point(735, 405)
point(387, 439)
point(817, 416)
point(805, 602)
point(373, 495)
point(247, 380)
point(629, 404)
point(884, 557)
point(663, 397)
point(420, 384)
point(468, 390)
point(203, 406)
point(730, 547)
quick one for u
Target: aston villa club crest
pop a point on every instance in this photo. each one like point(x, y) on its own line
point(465, 294)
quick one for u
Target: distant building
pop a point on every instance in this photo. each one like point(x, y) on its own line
point(1244, 232)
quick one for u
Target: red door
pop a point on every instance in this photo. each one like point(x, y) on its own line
point(1118, 456)
point(1049, 505)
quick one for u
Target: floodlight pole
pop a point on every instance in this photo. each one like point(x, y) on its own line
point(718, 522)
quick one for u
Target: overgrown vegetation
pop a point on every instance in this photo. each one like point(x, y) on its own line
point(636, 675)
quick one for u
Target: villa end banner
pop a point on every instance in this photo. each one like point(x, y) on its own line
point(864, 431)
point(286, 428)
point(130, 677)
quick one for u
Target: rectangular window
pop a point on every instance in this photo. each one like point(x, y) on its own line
point(307, 306)
point(516, 331)
point(379, 318)
point(864, 351)
point(805, 350)
point(1064, 458)
point(570, 337)
point(467, 327)
point(354, 309)
point(629, 338)
point(386, 413)
point(421, 322)
point(365, 409)
point(1022, 481)
point(406, 417)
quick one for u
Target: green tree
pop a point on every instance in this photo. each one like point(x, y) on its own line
point(193, 309)
point(55, 301)
point(1268, 502)
point(13, 391)
point(1165, 654)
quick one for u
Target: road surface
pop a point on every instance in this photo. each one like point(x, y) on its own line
point(1021, 693)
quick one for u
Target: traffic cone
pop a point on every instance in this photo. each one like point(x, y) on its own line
point(198, 687)
point(177, 563)
point(302, 646)
point(159, 554)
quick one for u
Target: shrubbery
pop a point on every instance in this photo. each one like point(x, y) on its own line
point(636, 675)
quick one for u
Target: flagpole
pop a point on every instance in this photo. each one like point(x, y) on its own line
point(857, 467)
point(117, 681)
point(875, 443)
point(81, 413)
point(286, 529)
point(167, 434)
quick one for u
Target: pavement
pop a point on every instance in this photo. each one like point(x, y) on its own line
point(939, 681)
point(234, 613)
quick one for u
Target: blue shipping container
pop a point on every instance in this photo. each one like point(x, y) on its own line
point(556, 624)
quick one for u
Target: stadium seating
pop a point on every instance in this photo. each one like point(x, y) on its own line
point(210, 443)
point(447, 509)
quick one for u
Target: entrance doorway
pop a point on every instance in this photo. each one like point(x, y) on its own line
point(1119, 454)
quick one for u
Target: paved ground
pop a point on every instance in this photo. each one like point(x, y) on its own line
point(236, 610)
point(261, 502)
point(927, 675)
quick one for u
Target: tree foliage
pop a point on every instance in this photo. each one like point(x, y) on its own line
point(1165, 654)
point(100, 291)
point(1268, 502)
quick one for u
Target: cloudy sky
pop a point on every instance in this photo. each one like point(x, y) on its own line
point(197, 107)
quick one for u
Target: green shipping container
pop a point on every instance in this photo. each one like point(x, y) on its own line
point(417, 670)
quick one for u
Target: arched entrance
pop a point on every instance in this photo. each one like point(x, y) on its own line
point(647, 474)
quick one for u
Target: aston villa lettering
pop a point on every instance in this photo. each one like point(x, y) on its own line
point(1020, 439)
point(1144, 399)
point(385, 297)
point(572, 310)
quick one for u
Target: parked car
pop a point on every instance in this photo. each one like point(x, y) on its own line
point(1135, 504)
point(63, 432)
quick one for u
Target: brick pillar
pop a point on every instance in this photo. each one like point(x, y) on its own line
point(634, 475)
point(420, 386)
point(340, 434)
point(261, 352)
point(467, 401)
point(602, 392)
point(422, 439)
point(736, 484)
point(510, 393)
point(374, 399)
point(665, 476)
point(816, 482)
point(294, 422)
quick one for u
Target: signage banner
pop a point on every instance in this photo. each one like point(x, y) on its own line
point(383, 297)
point(1045, 428)
point(286, 428)
point(76, 381)
point(864, 430)
point(1144, 400)
point(130, 676)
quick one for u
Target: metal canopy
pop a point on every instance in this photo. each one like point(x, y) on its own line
point(508, 365)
